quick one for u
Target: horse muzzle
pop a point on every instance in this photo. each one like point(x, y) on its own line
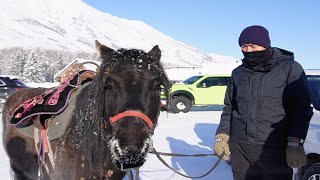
point(129, 157)
point(129, 162)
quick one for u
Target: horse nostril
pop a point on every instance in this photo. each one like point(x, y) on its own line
point(132, 155)
point(132, 150)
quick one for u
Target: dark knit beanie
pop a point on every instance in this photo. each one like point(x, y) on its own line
point(257, 35)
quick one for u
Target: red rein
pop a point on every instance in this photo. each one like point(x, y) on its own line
point(132, 113)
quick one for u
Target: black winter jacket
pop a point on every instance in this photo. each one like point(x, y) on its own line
point(266, 104)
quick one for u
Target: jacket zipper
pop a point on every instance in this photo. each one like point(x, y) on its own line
point(262, 84)
point(248, 107)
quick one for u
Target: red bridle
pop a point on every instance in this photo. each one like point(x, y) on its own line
point(132, 113)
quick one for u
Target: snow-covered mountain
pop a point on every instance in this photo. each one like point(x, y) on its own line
point(217, 58)
point(73, 25)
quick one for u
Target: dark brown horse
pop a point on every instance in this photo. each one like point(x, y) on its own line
point(111, 126)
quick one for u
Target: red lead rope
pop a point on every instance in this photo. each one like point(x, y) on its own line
point(131, 113)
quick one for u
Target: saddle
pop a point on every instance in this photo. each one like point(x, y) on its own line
point(53, 109)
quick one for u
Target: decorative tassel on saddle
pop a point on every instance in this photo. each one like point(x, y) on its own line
point(43, 151)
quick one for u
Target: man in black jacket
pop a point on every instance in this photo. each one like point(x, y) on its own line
point(267, 111)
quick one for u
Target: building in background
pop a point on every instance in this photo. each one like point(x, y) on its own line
point(74, 66)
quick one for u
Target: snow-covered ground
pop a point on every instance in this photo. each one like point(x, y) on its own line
point(191, 133)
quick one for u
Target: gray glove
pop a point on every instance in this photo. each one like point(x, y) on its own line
point(296, 157)
point(222, 145)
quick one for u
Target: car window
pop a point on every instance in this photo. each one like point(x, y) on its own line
point(209, 81)
point(224, 81)
point(314, 87)
point(2, 83)
point(19, 82)
point(214, 81)
point(192, 79)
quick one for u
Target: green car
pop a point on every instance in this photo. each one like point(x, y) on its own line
point(199, 90)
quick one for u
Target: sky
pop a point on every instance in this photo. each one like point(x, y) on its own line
point(214, 26)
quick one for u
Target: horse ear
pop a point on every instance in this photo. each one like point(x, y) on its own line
point(155, 52)
point(103, 51)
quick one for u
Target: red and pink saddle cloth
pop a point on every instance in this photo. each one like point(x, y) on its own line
point(52, 102)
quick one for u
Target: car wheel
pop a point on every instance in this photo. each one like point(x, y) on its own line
point(312, 173)
point(180, 104)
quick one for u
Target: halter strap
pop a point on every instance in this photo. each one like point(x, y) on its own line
point(132, 113)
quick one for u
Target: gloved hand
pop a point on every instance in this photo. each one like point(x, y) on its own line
point(296, 157)
point(222, 145)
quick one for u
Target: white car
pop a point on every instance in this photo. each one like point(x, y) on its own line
point(311, 171)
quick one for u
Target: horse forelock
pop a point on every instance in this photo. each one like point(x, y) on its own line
point(138, 59)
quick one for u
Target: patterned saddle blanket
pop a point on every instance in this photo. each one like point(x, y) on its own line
point(56, 126)
point(39, 109)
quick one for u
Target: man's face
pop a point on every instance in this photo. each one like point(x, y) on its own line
point(251, 48)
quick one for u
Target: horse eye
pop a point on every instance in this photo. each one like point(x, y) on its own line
point(108, 86)
point(157, 86)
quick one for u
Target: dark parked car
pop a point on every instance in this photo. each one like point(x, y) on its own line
point(311, 171)
point(9, 85)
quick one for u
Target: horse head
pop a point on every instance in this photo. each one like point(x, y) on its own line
point(130, 82)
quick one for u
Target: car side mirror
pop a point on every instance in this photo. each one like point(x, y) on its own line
point(204, 85)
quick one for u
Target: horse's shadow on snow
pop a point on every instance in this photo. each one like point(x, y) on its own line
point(197, 166)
